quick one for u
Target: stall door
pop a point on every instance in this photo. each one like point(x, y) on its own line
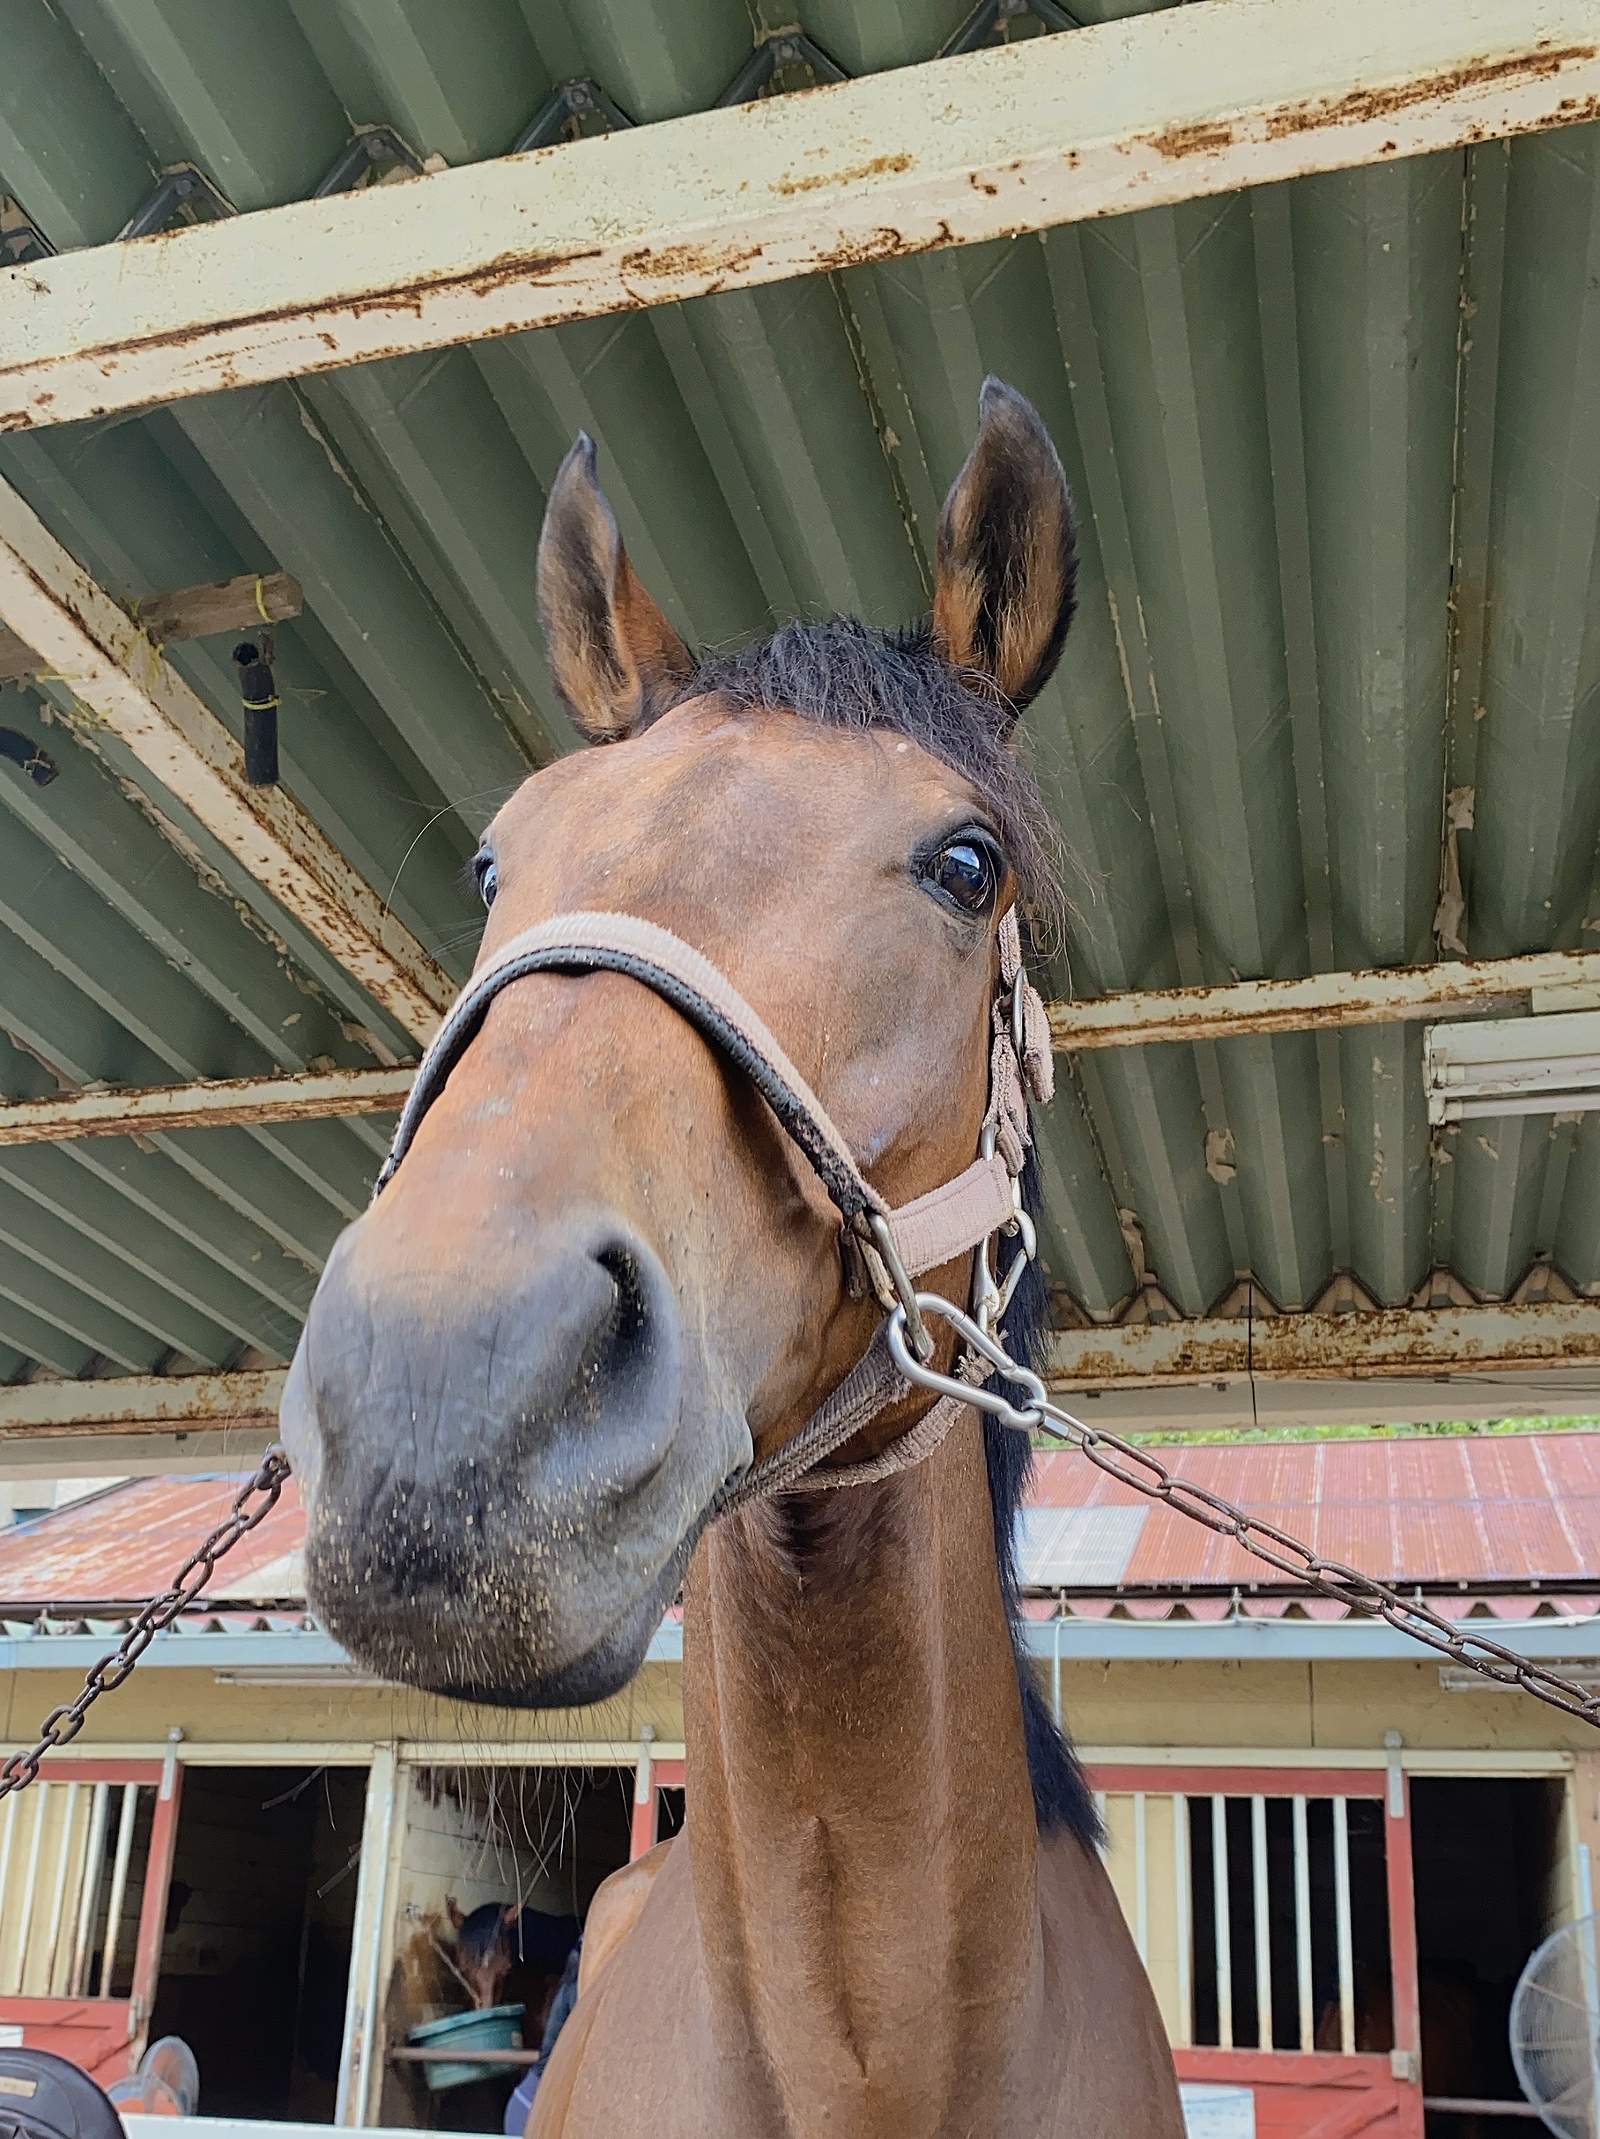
point(1273, 1910)
point(85, 1857)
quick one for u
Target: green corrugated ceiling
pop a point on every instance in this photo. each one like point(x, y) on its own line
point(1336, 447)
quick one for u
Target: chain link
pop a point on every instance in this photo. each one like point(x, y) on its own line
point(1137, 1469)
point(254, 1503)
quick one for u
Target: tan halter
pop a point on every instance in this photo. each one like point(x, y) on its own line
point(892, 1247)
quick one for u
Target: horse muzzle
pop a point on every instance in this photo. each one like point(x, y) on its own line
point(503, 1487)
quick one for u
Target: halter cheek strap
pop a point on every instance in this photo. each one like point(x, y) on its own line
point(931, 1230)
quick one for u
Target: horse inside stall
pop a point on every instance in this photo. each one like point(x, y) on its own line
point(604, 1280)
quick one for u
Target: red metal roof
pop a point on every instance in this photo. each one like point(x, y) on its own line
point(1514, 1507)
point(130, 1541)
point(1518, 1508)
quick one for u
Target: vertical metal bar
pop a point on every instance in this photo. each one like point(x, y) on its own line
point(126, 1823)
point(1341, 1919)
point(94, 1867)
point(1221, 1924)
point(1263, 1913)
point(1302, 1924)
point(1100, 1808)
point(1141, 1880)
point(1184, 1897)
point(8, 1837)
point(58, 1890)
point(1055, 1671)
point(40, 1794)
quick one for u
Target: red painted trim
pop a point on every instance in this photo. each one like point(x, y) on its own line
point(153, 1914)
point(1403, 1928)
point(643, 1833)
point(1282, 2068)
point(668, 1774)
point(1242, 1782)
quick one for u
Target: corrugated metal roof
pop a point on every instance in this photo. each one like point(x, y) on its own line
point(128, 1542)
point(1337, 449)
point(1514, 1511)
point(1518, 1509)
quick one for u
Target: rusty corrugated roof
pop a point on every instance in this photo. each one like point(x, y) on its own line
point(129, 1542)
point(1496, 1509)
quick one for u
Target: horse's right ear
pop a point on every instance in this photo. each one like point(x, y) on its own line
point(1007, 563)
point(454, 1907)
point(614, 658)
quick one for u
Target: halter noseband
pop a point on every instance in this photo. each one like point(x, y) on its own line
point(894, 1246)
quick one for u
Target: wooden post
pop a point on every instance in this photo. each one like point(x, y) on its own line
point(1403, 1945)
point(153, 1913)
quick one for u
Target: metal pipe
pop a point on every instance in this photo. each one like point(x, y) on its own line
point(1222, 1929)
point(1302, 1924)
point(94, 1866)
point(126, 1822)
point(1341, 1919)
point(1263, 1916)
point(1141, 1879)
point(1185, 1925)
point(58, 1892)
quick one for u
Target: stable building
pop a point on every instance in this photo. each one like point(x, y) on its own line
point(1334, 1850)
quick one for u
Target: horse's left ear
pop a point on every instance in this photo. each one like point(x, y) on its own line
point(1007, 559)
point(615, 659)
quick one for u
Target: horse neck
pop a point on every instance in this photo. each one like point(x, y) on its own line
point(863, 1838)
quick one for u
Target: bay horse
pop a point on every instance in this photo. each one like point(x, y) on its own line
point(604, 1281)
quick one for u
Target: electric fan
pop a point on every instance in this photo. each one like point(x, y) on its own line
point(1555, 2030)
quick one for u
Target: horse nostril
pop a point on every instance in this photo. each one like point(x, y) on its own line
point(623, 1343)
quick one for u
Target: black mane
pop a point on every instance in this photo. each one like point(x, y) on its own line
point(846, 674)
point(1061, 1797)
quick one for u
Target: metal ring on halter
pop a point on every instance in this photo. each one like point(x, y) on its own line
point(988, 1347)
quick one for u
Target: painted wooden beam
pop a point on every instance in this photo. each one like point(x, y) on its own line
point(124, 683)
point(1543, 980)
point(1153, 109)
point(246, 603)
point(1389, 1344)
point(315, 1095)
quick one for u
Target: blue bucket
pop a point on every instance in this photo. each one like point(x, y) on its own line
point(495, 2028)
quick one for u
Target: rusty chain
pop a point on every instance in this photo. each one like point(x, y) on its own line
point(1137, 1469)
point(254, 1502)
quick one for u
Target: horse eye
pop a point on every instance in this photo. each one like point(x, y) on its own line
point(968, 872)
point(488, 875)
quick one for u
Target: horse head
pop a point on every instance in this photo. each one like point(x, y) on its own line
point(603, 1277)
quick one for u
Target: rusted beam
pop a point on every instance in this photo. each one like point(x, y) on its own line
point(1157, 108)
point(1542, 980)
point(193, 613)
point(316, 1095)
point(1393, 1343)
point(138, 1401)
point(126, 684)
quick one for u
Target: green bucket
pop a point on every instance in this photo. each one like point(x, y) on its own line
point(495, 2028)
